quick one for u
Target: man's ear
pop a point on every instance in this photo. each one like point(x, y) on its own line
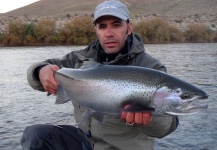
point(129, 28)
point(94, 29)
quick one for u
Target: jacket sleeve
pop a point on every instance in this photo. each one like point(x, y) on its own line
point(67, 61)
point(160, 125)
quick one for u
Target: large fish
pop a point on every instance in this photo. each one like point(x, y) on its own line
point(106, 89)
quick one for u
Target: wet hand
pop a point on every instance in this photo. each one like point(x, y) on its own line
point(137, 118)
point(47, 79)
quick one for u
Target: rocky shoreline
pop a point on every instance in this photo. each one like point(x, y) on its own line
point(180, 22)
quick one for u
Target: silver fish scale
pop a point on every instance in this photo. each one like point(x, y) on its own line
point(103, 95)
point(106, 89)
point(107, 95)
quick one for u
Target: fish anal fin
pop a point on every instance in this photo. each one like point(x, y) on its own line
point(134, 107)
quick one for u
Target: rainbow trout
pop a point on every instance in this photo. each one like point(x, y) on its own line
point(106, 89)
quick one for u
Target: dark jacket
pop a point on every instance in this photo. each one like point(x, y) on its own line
point(113, 132)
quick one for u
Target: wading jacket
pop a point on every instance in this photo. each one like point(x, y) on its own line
point(113, 133)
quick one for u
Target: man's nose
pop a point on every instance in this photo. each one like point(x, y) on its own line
point(109, 32)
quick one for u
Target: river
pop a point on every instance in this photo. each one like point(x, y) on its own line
point(21, 106)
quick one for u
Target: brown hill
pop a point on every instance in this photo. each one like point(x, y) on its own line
point(177, 12)
point(137, 7)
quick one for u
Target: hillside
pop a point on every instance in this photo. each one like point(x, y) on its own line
point(163, 7)
point(177, 12)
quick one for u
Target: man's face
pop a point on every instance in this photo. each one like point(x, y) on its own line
point(112, 33)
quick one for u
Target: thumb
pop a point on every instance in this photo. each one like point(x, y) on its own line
point(54, 68)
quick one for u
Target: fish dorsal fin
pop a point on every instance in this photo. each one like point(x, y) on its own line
point(62, 97)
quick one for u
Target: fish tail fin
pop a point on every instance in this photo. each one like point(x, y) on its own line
point(62, 97)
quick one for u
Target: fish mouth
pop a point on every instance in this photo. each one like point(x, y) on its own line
point(203, 97)
point(188, 106)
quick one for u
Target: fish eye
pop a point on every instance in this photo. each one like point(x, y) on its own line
point(185, 96)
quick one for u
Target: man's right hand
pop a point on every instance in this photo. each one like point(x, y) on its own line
point(46, 76)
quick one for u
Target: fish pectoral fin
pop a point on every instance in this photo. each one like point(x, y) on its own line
point(98, 116)
point(138, 108)
point(62, 97)
point(85, 115)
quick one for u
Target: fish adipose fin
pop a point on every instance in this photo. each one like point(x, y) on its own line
point(62, 97)
point(98, 116)
point(138, 108)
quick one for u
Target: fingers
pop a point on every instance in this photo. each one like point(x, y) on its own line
point(137, 118)
point(130, 117)
point(47, 79)
point(54, 67)
point(146, 117)
point(124, 114)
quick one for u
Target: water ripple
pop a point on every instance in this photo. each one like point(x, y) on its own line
point(21, 106)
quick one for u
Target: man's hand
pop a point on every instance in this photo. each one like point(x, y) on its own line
point(46, 76)
point(137, 118)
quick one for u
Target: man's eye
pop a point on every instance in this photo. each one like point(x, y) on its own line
point(117, 24)
point(102, 26)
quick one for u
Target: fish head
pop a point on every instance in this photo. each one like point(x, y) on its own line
point(182, 100)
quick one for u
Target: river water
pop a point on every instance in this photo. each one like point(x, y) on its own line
point(21, 106)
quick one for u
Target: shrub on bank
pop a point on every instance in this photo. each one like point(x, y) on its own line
point(45, 31)
point(175, 34)
point(1, 37)
point(79, 31)
point(198, 33)
point(157, 31)
point(215, 37)
point(18, 33)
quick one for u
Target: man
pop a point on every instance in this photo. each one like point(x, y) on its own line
point(116, 45)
